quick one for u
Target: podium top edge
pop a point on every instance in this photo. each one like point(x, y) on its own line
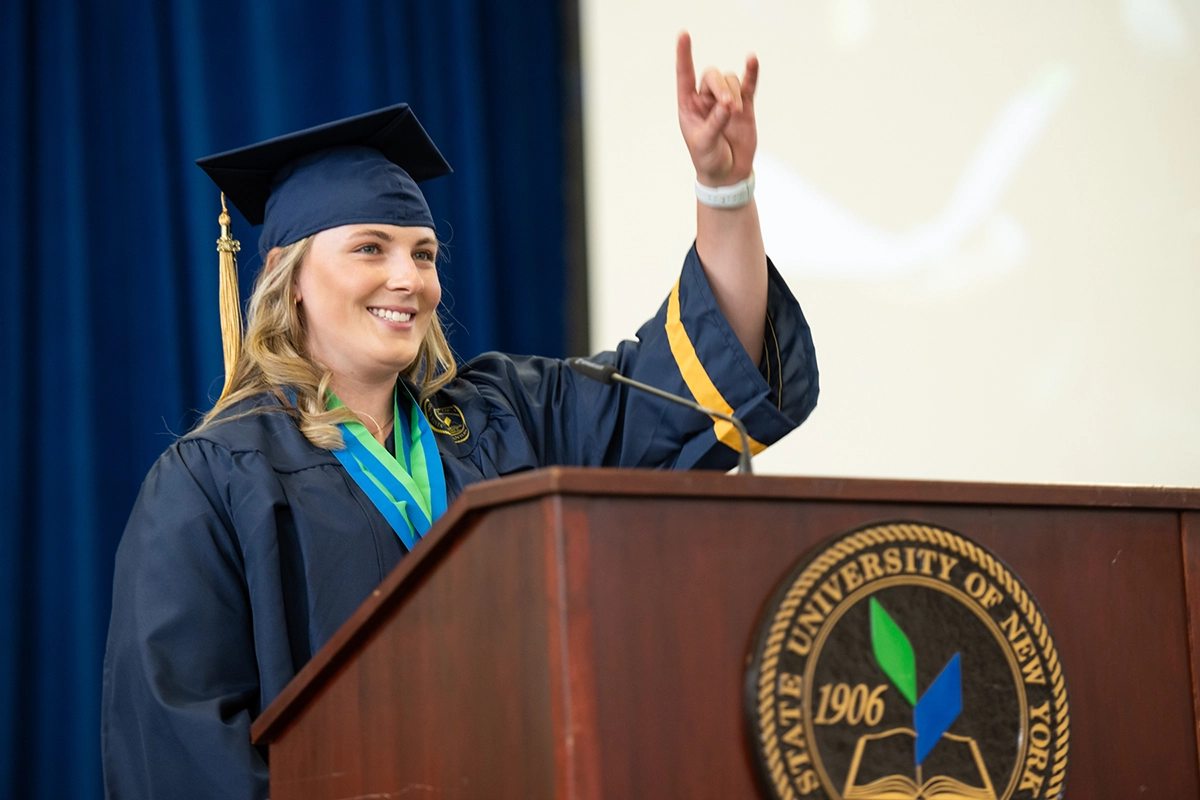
point(662, 483)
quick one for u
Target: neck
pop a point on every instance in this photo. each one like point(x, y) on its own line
point(371, 402)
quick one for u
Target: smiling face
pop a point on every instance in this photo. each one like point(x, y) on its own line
point(368, 294)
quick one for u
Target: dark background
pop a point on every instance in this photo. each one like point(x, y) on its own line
point(111, 344)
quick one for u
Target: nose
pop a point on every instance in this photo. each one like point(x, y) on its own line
point(403, 274)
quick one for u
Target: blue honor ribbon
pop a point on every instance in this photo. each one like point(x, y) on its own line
point(409, 489)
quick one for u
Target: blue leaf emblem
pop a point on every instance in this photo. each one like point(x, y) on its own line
point(938, 707)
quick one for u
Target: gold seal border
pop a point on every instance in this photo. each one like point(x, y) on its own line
point(852, 543)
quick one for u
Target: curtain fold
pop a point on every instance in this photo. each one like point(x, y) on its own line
point(111, 344)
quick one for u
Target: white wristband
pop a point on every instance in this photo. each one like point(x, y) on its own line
point(733, 196)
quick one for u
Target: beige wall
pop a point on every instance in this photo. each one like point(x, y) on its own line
point(989, 211)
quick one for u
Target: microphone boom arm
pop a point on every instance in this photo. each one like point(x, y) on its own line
point(743, 457)
point(608, 374)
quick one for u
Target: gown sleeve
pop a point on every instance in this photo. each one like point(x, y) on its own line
point(689, 349)
point(180, 676)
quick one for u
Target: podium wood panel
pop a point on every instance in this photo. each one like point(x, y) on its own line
point(469, 654)
point(583, 634)
point(1190, 529)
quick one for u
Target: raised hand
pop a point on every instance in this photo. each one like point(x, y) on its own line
point(717, 118)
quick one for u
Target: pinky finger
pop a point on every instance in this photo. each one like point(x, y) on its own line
point(750, 79)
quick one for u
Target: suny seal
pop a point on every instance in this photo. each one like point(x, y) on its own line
point(906, 661)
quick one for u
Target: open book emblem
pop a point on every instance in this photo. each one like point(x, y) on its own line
point(975, 785)
point(906, 662)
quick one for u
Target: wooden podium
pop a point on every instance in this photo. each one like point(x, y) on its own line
point(576, 633)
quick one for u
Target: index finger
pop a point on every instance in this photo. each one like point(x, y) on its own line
point(685, 73)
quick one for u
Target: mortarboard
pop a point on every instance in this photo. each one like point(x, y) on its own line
point(359, 169)
point(355, 170)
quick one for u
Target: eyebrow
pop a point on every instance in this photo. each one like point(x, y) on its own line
point(387, 237)
point(384, 235)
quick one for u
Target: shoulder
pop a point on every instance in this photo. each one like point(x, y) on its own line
point(504, 382)
point(491, 392)
point(244, 452)
point(258, 427)
point(486, 365)
point(502, 370)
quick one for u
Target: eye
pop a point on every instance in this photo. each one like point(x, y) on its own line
point(425, 255)
point(369, 249)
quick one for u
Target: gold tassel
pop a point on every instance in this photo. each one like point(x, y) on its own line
point(231, 302)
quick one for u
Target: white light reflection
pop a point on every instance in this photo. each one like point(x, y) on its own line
point(808, 234)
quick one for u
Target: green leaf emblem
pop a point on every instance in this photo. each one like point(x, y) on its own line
point(894, 652)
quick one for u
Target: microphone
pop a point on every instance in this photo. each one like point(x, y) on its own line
point(609, 375)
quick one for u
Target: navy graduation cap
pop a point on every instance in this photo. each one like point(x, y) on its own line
point(361, 169)
point(355, 170)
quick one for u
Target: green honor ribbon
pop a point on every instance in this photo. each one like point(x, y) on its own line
point(410, 494)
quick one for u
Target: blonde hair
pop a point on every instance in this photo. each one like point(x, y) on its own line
point(274, 357)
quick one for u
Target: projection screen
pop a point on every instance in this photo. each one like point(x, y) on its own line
point(990, 213)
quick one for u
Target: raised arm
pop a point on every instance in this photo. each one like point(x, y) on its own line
point(717, 121)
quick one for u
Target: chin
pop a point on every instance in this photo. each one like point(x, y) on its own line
point(402, 364)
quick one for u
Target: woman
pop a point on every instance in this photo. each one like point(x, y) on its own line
point(347, 428)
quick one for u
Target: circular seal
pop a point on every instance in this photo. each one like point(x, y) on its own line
point(906, 661)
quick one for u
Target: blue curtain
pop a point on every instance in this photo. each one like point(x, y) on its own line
point(111, 345)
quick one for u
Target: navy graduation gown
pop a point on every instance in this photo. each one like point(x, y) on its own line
point(248, 546)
